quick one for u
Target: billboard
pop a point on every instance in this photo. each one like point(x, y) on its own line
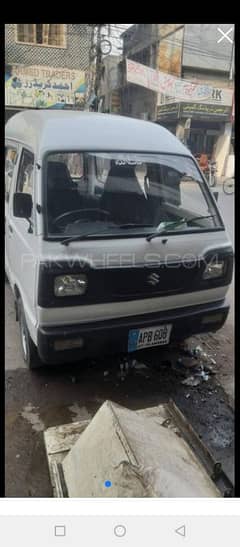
point(43, 86)
point(177, 88)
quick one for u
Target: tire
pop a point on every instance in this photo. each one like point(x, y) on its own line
point(29, 350)
point(228, 186)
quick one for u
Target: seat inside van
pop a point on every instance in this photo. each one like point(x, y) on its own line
point(123, 197)
point(62, 190)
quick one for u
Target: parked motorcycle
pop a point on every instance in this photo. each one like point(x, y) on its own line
point(209, 169)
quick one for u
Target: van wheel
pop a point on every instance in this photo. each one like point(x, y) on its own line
point(29, 350)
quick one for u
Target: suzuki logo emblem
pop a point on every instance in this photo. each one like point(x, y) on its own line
point(153, 279)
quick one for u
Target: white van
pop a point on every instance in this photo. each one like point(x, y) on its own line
point(114, 242)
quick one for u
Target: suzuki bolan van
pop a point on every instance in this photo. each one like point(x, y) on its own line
point(114, 242)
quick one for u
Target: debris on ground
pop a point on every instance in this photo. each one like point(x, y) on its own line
point(198, 351)
point(191, 381)
point(199, 362)
point(210, 369)
point(192, 365)
point(139, 366)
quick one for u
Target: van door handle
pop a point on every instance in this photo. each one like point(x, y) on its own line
point(10, 228)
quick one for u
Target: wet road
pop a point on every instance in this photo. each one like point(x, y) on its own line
point(36, 401)
point(53, 396)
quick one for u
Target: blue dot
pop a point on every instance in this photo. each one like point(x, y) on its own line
point(108, 484)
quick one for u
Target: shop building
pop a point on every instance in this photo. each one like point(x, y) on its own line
point(192, 53)
point(45, 66)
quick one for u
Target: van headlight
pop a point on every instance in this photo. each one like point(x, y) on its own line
point(70, 285)
point(214, 270)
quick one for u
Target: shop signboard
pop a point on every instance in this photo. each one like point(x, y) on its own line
point(193, 110)
point(168, 111)
point(177, 88)
point(203, 111)
point(43, 87)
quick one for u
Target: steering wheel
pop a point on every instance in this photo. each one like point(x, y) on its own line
point(58, 219)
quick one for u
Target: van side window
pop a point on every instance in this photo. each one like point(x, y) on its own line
point(10, 164)
point(25, 173)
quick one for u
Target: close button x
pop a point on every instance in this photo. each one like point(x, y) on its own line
point(225, 35)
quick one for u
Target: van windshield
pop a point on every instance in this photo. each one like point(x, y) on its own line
point(101, 194)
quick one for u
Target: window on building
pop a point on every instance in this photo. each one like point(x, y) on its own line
point(41, 34)
point(142, 56)
point(154, 55)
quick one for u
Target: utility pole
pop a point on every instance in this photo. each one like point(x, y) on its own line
point(95, 63)
point(91, 69)
point(98, 65)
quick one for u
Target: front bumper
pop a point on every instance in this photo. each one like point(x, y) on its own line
point(111, 337)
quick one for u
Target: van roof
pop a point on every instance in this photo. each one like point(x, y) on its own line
point(50, 130)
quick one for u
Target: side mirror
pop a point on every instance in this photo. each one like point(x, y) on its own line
point(216, 194)
point(22, 205)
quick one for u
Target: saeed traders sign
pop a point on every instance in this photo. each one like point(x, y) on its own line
point(43, 86)
point(177, 88)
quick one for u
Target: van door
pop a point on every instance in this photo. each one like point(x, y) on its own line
point(11, 157)
point(22, 240)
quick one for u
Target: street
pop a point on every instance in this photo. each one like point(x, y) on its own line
point(57, 395)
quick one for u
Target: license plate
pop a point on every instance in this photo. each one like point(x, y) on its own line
point(152, 336)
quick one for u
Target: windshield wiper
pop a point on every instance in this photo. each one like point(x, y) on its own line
point(157, 233)
point(81, 237)
point(175, 224)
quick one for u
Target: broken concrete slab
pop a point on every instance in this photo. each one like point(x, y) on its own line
point(138, 455)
